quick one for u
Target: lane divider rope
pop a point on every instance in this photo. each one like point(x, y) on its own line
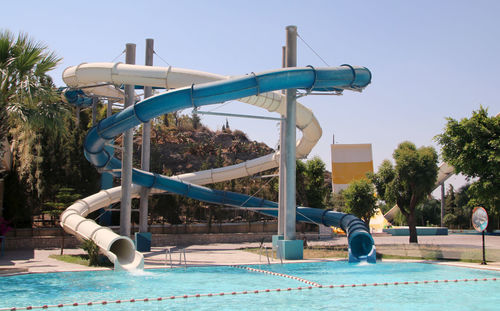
point(105, 302)
point(278, 274)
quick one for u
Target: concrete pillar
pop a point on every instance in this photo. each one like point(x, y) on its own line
point(442, 204)
point(282, 176)
point(289, 247)
point(282, 191)
point(94, 110)
point(289, 150)
point(146, 146)
point(126, 175)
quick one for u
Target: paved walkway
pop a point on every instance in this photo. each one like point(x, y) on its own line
point(221, 254)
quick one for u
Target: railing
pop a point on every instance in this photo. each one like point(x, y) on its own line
point(168, 256)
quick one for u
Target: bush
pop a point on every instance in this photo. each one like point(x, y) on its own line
point(92, 250)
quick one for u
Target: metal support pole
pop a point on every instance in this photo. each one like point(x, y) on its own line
point(281, 200)
point(442, 204)
point(109, 109)
point(94, 111)
point(77, 116)
point(484, 250)
point(126, 203)
point(146, 146)
point(291, 61)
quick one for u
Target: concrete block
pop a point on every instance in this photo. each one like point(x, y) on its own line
point(143, 241)
point(291, 249)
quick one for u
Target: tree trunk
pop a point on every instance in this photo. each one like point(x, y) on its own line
point(412, 227)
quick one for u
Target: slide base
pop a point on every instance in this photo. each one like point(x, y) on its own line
point(143, 241)
point(275, 240)
point(291, 249)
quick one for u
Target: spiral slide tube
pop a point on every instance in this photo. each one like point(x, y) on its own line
point(344, 77)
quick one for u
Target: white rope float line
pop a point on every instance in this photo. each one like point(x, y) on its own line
point(257, 291)
point(279, 274)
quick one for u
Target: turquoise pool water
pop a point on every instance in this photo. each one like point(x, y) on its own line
point(96, 286)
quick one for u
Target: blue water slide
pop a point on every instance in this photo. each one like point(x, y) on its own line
point(76, 97)
point(361, 244)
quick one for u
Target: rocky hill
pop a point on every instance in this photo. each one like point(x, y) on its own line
point(181, 149)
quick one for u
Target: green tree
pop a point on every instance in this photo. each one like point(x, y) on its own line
point(28, 100)
point(384, 176)
point(24, 83)
point(413, 180)
point(30, 113)
point(360, 199)
point(458, 208)
point(301, 183)
point(428, 212)
point(195, 119)
point(472, 146)
point(315, 189)
point(63, 199)
point(92, 250)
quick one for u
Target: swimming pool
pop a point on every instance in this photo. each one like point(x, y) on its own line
point(302, 279)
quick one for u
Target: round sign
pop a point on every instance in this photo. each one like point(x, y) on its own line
point(479, 218)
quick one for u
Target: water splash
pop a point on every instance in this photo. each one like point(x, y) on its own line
point(140, 272)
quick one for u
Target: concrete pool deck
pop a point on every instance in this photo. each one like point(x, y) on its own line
point(38, 260)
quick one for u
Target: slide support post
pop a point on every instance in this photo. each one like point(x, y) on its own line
point(126, 201)
point(289, 246)
point(146, 146)
point(143, 237)
point(281, 191)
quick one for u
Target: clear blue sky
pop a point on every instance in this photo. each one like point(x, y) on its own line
point(429, 59)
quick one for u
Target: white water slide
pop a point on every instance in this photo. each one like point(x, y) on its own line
point(120, 249)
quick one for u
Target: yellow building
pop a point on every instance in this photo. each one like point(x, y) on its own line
point(350, 162)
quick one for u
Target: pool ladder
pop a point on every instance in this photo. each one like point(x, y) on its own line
point(168, 256)
point(278, 254)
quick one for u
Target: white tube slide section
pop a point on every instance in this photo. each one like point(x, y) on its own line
point(121, 250)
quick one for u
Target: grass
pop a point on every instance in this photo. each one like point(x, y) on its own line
point(400, 251)
point(310, 252)
point(82, 260)
point(75, 259)
point(436, 252)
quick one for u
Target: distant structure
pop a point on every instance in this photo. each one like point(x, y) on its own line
point(350, 162)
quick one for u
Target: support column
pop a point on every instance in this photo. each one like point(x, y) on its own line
point(281, 196)
point(146, 148)
point(282, 189)
point(143, 237)
point(442, 204)
point(290, 248)
point(126, 175)
point(77, 115)
point(94, 110)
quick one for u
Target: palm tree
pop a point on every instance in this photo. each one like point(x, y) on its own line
point(29, 104)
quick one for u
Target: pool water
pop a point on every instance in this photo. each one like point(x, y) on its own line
point(96, 286)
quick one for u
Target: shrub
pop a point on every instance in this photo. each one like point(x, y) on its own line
point(92, 250)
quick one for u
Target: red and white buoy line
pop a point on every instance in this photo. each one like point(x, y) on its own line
point(106, 302)
point(279, 274)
